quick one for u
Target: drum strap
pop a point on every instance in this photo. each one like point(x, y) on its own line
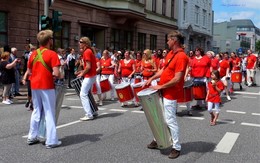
point(39, 58)
point(172, 58)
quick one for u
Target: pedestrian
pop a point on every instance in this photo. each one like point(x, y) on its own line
point(89, 75)
point(171, 87)
point(7, 72)
point(215, 87)
point(47, 62)
point(71, 64)
point(251, 68)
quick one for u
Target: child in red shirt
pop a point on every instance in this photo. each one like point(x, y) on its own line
point(215, 87)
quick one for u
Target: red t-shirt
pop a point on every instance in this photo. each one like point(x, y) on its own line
point(126, 68)
point(41, 77)
point(215, 64)
point(105, 63)
point(223, 66)
point(177, 64)
point(146, 67)
point(214, 95)
point(90, 57)
point(199, 67)
point(138, 65)
point(235, 61)
point(251, 59)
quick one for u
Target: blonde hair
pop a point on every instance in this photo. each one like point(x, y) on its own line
point(44, 36)
point(87, 41)
point(211, 52)
point(179, 36)
point(148, 55)
point(5, 55)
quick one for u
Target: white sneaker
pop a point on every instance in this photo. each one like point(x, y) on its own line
point(112, 99)
point(86, 118)
point(6, 102)
point(228, 97)
point(11, 102)
point(53, 145)
point(100, 103)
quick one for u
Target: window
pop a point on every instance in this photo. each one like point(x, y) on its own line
point(153, 42)
point(172, 8)
point(163, 7)
point(204, 18)
point(154, 6)
point(115, 39)
point(128, 40)
point(209, 21)
point(61, 38)
point(184, 11)
point(3, 29)
point(141, 41)
point(197, 14)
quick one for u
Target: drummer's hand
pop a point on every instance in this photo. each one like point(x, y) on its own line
point(157, 87)
point(147, 83)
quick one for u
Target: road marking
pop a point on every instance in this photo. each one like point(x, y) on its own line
point(226, 121)
point(118, 110)
point(255, 113)
point(196, 118)
point(246, 93)
point(67, 94)
point(249, 97)
point(136, 111)
point(99, 108)
point(250, 124)
point(233, 111)
point(226, 143)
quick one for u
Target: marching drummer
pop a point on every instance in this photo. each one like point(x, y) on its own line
point(171, 86)
point(236, 67)
point(89, 74)
point(107, 71)
point(127, 69)
point(148, 66)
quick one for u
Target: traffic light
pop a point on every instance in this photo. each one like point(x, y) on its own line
point(56, 20)
point(45, 22)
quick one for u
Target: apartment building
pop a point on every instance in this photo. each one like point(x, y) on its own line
point(114, 24)
point(235, 35)
point(195, 21)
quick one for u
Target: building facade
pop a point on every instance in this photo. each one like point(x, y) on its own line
point(114, 24)
point(235, 35)
point(195, 21)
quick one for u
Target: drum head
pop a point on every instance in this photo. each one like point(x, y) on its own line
point(146, 92)
point(122, 85)
point(140, 84)
point(103, 80)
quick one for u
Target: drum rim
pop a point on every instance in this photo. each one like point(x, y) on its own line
point(122, 85)
point(151, 91)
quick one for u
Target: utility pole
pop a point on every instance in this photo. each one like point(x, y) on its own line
point(46, 7)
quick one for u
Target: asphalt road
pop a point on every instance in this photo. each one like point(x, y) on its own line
point(122, 134)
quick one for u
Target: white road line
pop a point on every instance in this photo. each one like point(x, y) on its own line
point(99, 108)
point(196, 118)
point(247, 93)
point(118, 110)
point(250, 124)
point(72, 99)
point(256, 114)
point(136, 111)
point(226, 121)
point(226, 143)
point(233, 111)
point(249, 97)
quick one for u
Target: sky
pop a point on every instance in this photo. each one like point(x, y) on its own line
point(224, 10)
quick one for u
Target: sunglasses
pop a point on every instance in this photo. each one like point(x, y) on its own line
point(81, 42)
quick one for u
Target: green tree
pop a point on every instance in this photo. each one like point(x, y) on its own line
point(257, 46)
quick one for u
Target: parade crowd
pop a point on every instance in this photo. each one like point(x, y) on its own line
point(181, 77)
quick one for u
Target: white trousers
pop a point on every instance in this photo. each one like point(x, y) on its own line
point(44, 102)
point(86, 86)
point(250, 74)
point(215, 109)
point(170, 107)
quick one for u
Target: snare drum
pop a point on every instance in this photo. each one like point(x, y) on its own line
point(236, 77)
point(199, 90)
point(187, 95)
point(154, 112)
point(138, 78)
point(124, 92)
point(137, 88)
point(105, 85)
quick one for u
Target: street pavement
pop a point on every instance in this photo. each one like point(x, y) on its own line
point(121, 134)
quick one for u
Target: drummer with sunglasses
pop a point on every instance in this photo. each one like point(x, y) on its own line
point(171, 86)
